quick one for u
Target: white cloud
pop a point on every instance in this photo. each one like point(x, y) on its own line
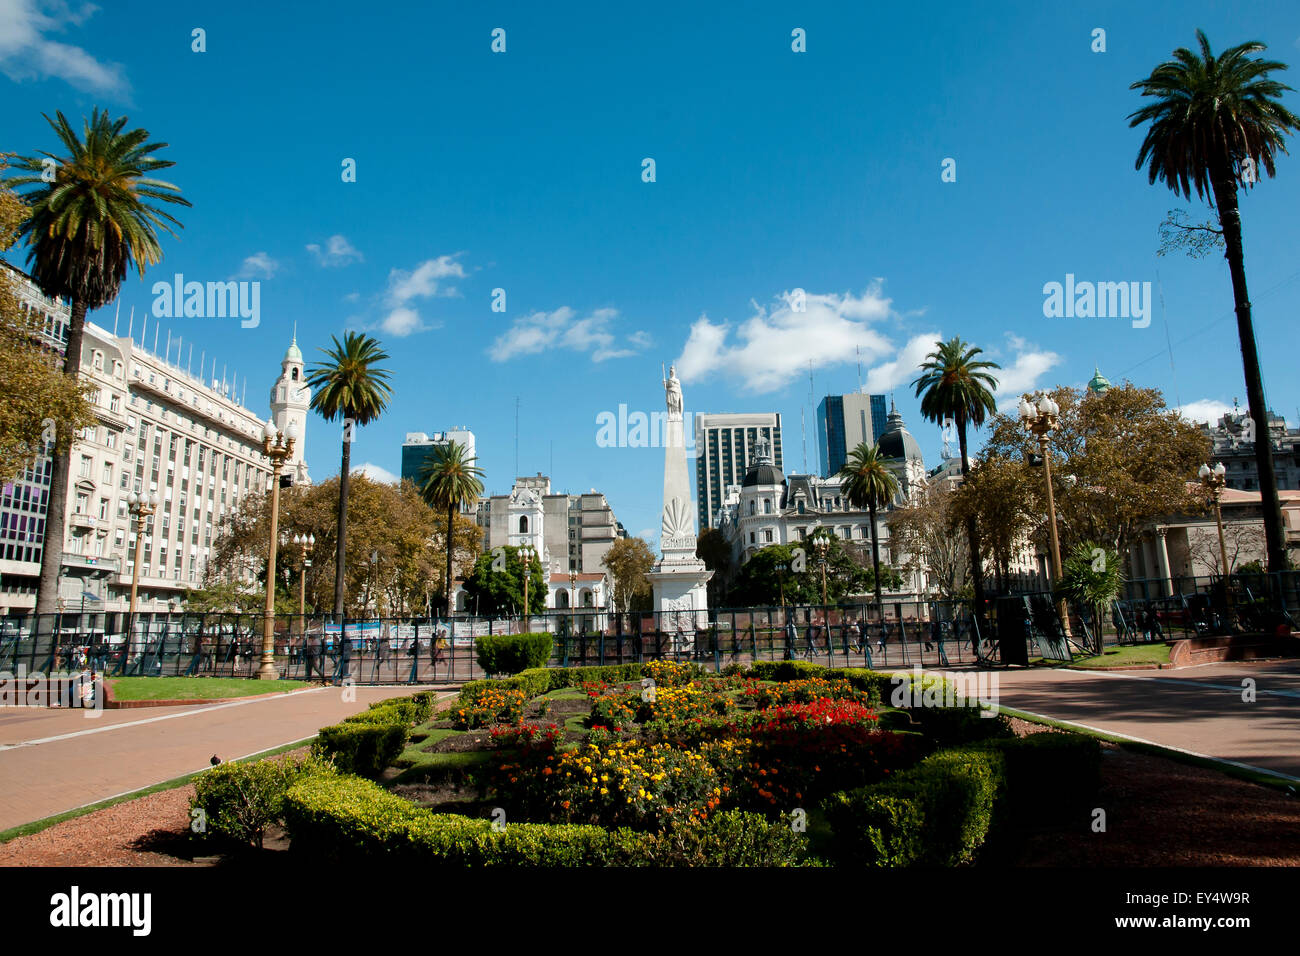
point(401, 322)
point(26, 53)
point(375, 473)
point(423, 282)
point(337, 252)
point(561, 328)
point(774, 346)
point(1208, 410)
point(1023, 372)
point(258, 266)
point(903, 370)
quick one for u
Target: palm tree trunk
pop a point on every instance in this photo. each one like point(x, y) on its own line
point(972, 531)
point(47, 588)
point(341, 547)
point(875, 555)
point(1225, 198)
point(451, 605)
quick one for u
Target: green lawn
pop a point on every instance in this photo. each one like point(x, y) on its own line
point(190, 688)
point(1126, 656)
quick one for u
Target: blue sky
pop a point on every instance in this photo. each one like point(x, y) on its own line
point(775, 171)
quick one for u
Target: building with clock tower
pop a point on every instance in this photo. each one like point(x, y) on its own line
point(290, 402)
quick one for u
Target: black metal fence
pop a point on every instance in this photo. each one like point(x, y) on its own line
point(421, 650)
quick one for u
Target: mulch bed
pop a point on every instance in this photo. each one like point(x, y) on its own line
point(1158, 813)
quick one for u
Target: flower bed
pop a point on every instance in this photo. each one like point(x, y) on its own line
point(489, 705)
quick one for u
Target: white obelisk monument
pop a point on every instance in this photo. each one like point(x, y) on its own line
point(679, 578)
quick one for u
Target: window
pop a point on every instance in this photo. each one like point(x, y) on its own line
point(767, 535)
point(753, 506)
point(111, 439)
point(767, 506)
point(108, 473)
point(86, 463)
point(103, 509)
point(523, 524)
point(83, 502)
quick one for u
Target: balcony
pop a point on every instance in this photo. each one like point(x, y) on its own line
point(107, 564)
point(79, 520)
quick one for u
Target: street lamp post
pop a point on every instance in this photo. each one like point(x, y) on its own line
point(278, 446)
point(1041, 420)
point(141, 508)
point(526, 554)
point(305, 543)
point(573, 595)
point(822, 545)
point(1213, 480)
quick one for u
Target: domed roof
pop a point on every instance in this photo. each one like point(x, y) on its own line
point(897, 441)
point(1098, 384)
point(293, 354)
point(762, 470)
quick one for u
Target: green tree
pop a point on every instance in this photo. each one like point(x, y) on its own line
point(33, 387)
point(713, 548)
point(1002, 495)
point(449, 480)
point(352, 386)
point(496, 584)
point(1091, 576)
point(868, 483)
point(1215, 123)
point(923, 530)
point(94, 221)
point(956, 386)
point(628, 561)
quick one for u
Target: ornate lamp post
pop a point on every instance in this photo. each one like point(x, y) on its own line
point(305, 543)
point(526, 554)
point(822, 546)
point(1213, 480)
point(278, 447)
point(1041, 420)
point(573, 594)
point(141, 508)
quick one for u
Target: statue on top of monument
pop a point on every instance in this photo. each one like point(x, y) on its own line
point(673, 390)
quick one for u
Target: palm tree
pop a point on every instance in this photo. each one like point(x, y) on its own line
point(448, 480)
point(349, 385)
point(868, 483)
point(1214, 123)
point(93, 219)
point(955, 386)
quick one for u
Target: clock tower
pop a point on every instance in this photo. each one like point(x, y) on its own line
point(290, 402)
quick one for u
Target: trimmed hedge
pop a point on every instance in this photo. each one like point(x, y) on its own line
point(365, 749)
point(936, 814)
point(1049, 771)
point(345, 818)
point(540, 680)
point(512, 653)
point(239, 801)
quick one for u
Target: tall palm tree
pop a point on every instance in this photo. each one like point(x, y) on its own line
point(1216, 121)
point(94, 215)
point(956, 386)
point(448, 479)
point(868, 483)
point(349, 385)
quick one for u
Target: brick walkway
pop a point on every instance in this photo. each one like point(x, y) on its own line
point(57, 760)
point(1198, 709)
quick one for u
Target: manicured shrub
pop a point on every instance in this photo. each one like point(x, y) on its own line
point(345, 818)
point(1049, 773)
point(956, 726)
point(937, 814)
point(512, 653)
point(729, 838)
point(366, 749)
point(784, 670)
point(239, 801)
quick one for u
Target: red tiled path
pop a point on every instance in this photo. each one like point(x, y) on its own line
point(1197, 709)
point(57, 760)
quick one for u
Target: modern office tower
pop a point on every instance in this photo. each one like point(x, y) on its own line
point(419, 446)
point(843, 423)
point(725, 445)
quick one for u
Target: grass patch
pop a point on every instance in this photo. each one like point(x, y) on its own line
point(204, 688)
point(36, 826)
point(1126, 655)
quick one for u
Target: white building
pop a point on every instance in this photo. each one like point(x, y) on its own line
point(160, 431)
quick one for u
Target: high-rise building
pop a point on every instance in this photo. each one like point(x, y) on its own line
point(1233, 441)
point(418, 447)
point(843, 423)
point(159, 431)
point(725, 445)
